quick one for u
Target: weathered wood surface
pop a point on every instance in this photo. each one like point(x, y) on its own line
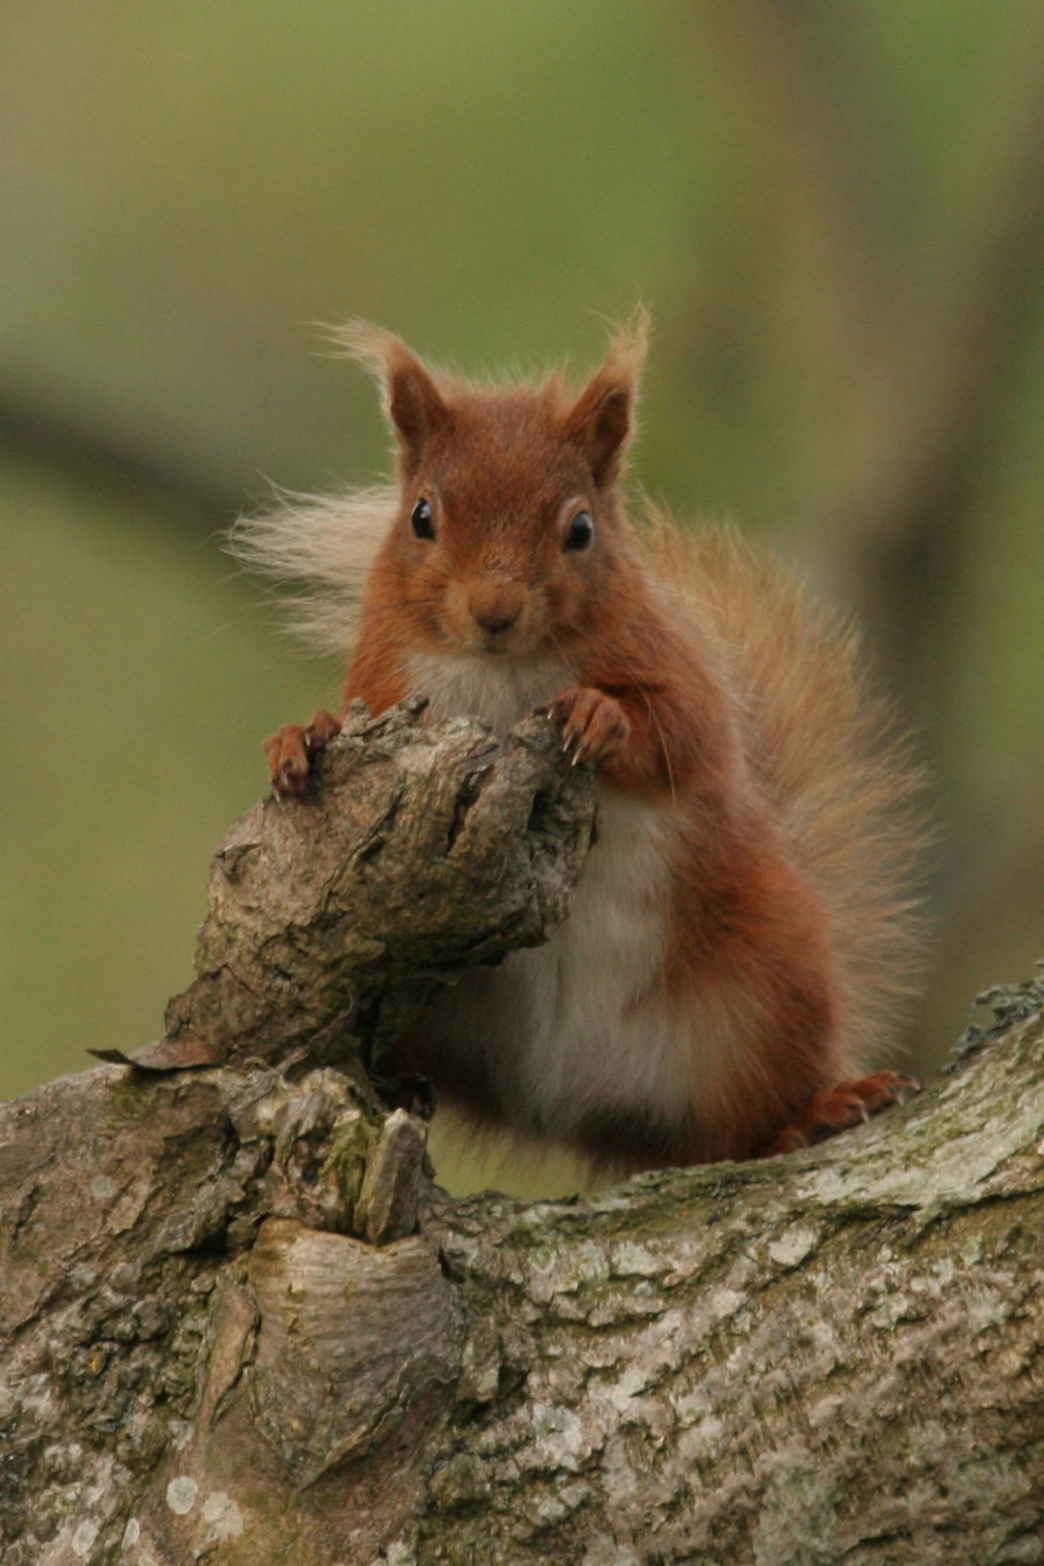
point(238, 1323)
point(416, 854)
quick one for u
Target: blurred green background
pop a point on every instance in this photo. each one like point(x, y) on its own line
point(836, 213)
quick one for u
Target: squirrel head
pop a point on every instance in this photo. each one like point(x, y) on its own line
point(509, 517)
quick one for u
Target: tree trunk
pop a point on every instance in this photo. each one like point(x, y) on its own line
point(239, 1324)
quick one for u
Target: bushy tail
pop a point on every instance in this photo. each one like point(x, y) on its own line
point(317, 549)
point(825, 749)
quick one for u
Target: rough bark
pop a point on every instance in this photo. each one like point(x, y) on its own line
point(239, 1324)
point(415, 855)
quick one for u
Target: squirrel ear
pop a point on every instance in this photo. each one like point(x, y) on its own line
point(602, 418)
point(413, 404)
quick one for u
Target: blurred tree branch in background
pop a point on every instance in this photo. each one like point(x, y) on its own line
point(925, 337)
point(108, 459)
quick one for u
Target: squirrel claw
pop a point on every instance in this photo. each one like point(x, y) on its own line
point(592, 721)
point(573, 741)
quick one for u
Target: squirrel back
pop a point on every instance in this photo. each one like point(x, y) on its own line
point(749, 898)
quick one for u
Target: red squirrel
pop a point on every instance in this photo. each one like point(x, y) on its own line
point(740, 928)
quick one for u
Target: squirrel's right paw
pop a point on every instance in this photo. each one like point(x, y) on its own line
point(593, 724)
point(290, 752)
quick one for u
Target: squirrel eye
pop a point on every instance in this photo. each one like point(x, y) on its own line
point(581, 532)
point(421, 520)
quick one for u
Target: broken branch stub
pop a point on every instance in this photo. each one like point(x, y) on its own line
point(418, 852)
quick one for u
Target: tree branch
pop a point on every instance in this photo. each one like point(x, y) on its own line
point(416, 855)
point(239, 1324)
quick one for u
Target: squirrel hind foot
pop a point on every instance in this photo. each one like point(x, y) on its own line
point(841, 1107)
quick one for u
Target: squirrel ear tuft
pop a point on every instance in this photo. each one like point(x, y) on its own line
point(602, 418)
point(413, 403)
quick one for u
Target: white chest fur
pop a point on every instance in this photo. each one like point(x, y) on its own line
point(577, 1028)
point(499, 690)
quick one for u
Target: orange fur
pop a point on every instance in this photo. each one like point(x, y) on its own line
point(751, 887)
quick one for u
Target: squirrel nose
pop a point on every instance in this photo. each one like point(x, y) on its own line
point(494, 620)
point(494, 609)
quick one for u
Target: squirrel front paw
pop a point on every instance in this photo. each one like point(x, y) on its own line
point(292, 749)
point(593, 724)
